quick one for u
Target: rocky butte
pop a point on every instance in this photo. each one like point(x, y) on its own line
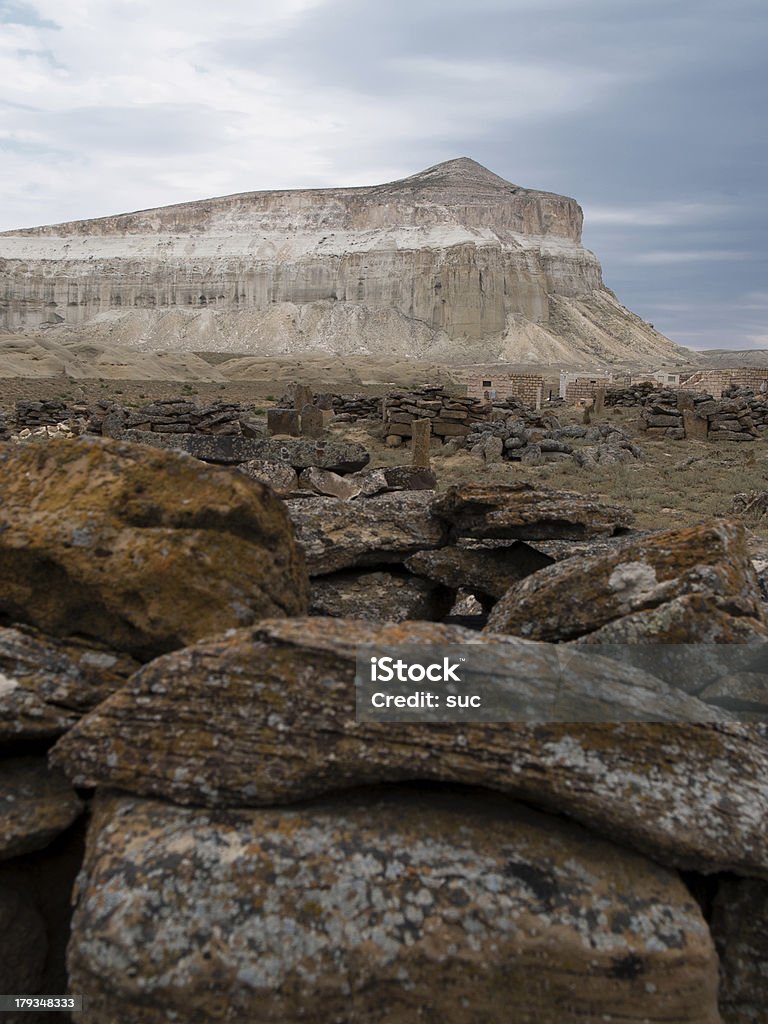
point(453, 263)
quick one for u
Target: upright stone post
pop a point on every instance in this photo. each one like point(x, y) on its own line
point(598, 403)
point(696, 427)
point(420, 432)
point(302, 395)
point(312, 421)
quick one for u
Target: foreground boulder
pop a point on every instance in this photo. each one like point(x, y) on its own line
point(579, 595)
point(384, 906)
point(144, 550)
point(693, 795)
point(386, 528)
point(523, 511)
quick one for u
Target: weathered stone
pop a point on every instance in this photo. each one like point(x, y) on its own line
point(280, 476)
point(337, 456)
point(385, 528)
point(323, 481)
point(579, 595)
point(522, 511)
point(740, 692)
point(378, 597)
point(409, 478)
point(283, 421)
point(141, 549)
point(302, 396)
point(393, 440)
point(390, 906)
point(312, 422)
point(490, 572)
point(37, 804)
point(420, 433)
point(740, 929)
point(691, 795)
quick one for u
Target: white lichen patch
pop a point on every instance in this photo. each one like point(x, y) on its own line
point(7, 685)
point(633, 581)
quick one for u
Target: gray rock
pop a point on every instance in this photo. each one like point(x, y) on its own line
point(378, 597)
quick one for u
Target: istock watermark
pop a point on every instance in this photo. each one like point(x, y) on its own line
point(513, 680)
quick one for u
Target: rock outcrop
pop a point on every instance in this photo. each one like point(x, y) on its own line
point(452, 262)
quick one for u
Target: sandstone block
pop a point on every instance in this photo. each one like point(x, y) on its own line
point(522, 511)
point(420, 433)
point(312, 423)
point(407, 905)
point(323, 481)
point(385, 528)
point(280, 476)
point(579, 595)
point(141, 549)
point(283, 421)
point(691, 795)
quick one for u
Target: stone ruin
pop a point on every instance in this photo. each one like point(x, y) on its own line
point(739, 415)
point(449, 415)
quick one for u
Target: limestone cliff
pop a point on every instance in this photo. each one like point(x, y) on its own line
point(454, 262)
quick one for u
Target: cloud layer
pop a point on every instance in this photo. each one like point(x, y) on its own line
point(650, 114)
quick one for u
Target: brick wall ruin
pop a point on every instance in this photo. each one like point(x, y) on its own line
point(493, 387)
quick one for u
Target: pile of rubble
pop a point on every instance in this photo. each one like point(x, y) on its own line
point(46, 413)
point(757, 401)
point(176, 416)
point(531, 437)
point(449, 415)
point(352, 407)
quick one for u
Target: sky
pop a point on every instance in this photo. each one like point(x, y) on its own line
point(651, 113)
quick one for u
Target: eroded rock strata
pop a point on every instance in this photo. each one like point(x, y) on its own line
point(453, 262)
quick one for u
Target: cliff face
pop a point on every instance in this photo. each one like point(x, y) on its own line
point(454, 261)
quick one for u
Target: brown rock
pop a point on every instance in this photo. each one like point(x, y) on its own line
point(689, 795)
point(740, 930)
point(312, 421)
point(491, 572)
point(579, 595)
point(283, 421)
point(380, 907)
point(522, 511)
point(141, 549)
point(386, 528)
point(37, 804)
point(378, 597)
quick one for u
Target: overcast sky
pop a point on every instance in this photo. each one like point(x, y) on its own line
point(651, 113)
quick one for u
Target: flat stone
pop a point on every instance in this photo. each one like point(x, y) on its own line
point(283, 421)
point(37, 803)
point(523, 511)
point(280, 476)
point(384, 906)
point(692, 795)
point(579, 595)
point(323, 481)
point(378, 597)
point(140, 549)
point(491, 572)
point(385, 528)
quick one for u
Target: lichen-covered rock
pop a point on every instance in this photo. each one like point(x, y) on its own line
point(267, 715)
point(37, 804)
point(385, 528)
point(280, 476)
point(740, 929)
point(378, 597)
point(579, 595)
point(385, 907)
point(141, 549)
point(45, 683)
point(323, 481)
point(523, 511)
point(490, 572)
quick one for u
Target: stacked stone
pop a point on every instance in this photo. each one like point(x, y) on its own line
point(4, 433)
point(353, 407)
point(450, 416)
point(757, 402)
point(533, 438)
point(46, 413)
point(732, 421)
point(630, 396)
point(177, 416)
